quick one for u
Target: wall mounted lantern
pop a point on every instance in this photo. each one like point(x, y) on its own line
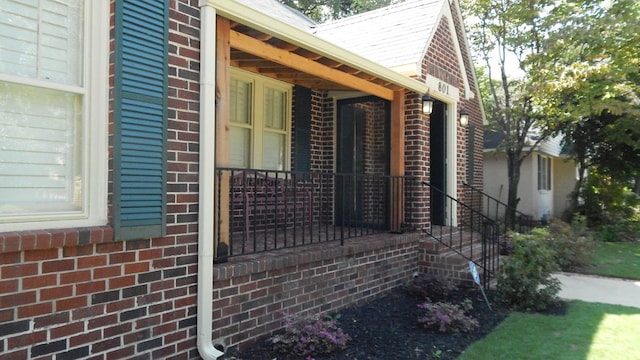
point(464, 117)
point(427, 104)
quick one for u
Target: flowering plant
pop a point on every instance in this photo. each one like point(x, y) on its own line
point(305, 336)
point(447, 317)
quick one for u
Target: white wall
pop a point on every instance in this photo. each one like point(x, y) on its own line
point(534, 202)
point(564, 180)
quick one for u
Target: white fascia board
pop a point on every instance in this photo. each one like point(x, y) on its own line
point(245, 15)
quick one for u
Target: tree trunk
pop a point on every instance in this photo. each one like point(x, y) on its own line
point(513, 173)
point(575, 194)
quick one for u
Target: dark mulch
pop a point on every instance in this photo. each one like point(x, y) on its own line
point(387, 328)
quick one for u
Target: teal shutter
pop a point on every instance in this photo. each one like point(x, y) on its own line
point(140, 119)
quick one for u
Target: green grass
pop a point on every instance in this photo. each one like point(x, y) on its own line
point(589, 331)
point(616, 259)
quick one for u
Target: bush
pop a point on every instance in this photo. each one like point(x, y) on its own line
point(310, 335)
point(607, 201)
point(574, 247)
point(447, 317)
point(432, 287)
point(625, 230)
point(525, 282)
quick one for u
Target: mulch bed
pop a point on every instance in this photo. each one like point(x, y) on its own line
point(387, 328)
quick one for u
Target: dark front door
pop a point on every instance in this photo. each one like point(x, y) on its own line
point(438, 161)
point(349, 163)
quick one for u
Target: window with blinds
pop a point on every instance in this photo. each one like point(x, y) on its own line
point(44, 140)
point(260, 122)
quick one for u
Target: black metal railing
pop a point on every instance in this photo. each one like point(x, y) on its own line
point(466, 231)
point(508, 217)
point(263, 210)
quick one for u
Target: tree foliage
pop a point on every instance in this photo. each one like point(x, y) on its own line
point(579, 77)
point(323, 10)
point(507, 37)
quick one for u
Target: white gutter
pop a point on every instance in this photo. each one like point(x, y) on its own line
point(207, 182)
point(243, 14)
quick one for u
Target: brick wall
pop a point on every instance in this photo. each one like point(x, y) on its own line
point(252, 294)
point(77, 293)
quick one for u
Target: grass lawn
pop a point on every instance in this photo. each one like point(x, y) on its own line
point(616, 259)
point(589, 331)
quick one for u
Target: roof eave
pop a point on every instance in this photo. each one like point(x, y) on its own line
point(240, 13)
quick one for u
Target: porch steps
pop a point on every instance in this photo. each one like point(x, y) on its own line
point(449, 256)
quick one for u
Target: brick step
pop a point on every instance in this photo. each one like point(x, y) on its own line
point(433, 246)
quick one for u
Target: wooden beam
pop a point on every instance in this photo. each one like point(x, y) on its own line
point(223, 113)
point(397, 160)
point(256, 47)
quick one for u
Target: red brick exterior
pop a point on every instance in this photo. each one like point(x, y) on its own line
point(77, 293)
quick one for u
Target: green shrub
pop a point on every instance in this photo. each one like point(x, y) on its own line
point(624, 230)
point(607, 201)
point(574, 247)
point(305, 336)
point(447, 317)
point(525, 282)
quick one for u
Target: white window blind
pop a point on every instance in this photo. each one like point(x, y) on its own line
point(38, 153)
point(42, 39)
point(241, 127)
point(42, 99)
point(260, 116)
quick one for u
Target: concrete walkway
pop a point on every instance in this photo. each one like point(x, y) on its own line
point(599, 289)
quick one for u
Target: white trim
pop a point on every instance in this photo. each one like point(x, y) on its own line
point(442, 90)
point(452, 159)
point(248, 16)
point(95, 127)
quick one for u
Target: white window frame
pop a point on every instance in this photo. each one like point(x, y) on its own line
point(544, 173)
point(256, 116)
point(95, 114)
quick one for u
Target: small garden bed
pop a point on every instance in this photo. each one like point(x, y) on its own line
point(387, 328)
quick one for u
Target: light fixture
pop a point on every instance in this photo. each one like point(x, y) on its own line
point(427, 104)
point(464, 117)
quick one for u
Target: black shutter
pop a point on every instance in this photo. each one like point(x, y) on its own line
point(302, 131)
point(140, 118)
point(471, 159)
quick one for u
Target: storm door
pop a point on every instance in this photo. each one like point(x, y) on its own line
point(362, 160)
point(438, 163)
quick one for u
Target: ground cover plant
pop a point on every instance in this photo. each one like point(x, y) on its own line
point(588, 331)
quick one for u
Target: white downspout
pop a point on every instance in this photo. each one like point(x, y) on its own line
point(206, 181)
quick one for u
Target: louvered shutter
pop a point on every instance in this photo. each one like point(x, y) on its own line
point(471, 160)
point(302, 118)
point(140, 119)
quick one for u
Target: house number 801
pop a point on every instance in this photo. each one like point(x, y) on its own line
point(443, 88)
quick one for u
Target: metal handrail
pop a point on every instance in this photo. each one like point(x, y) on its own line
point(465, 230)
point(497, 211)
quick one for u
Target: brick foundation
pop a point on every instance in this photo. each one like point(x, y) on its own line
point(252, 293)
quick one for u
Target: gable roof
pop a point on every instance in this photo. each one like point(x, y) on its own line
point(552, 146)
point(393, 36)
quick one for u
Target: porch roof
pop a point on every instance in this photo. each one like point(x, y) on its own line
point(395, 36)
point(264, 44)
